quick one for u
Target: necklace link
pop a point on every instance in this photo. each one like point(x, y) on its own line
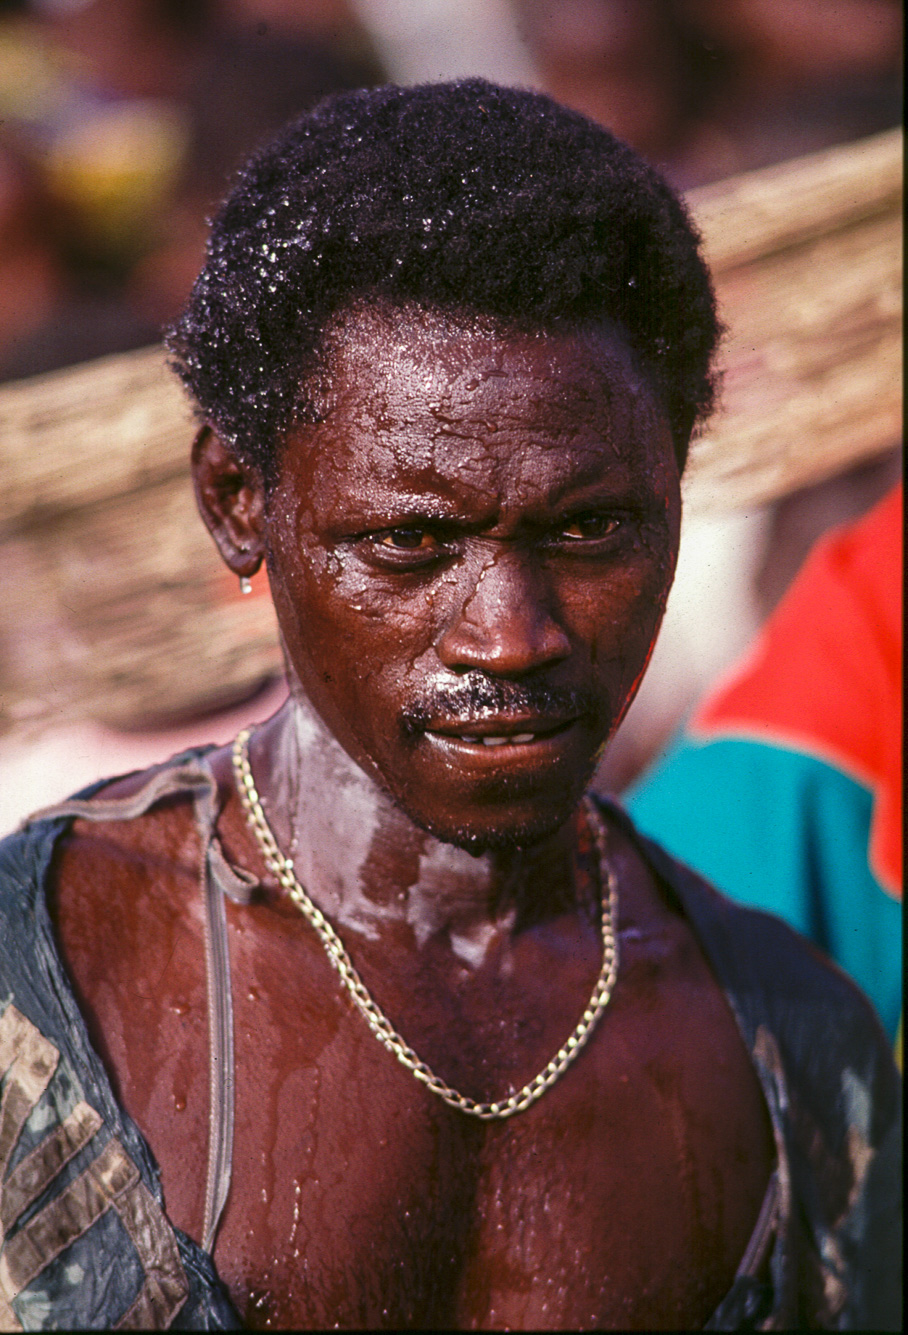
point(282, 868)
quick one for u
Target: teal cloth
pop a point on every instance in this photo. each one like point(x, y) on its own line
point(786, 832)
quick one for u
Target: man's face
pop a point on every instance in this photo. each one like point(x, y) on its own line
point(470, 558)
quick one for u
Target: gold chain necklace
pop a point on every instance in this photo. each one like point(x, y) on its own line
point(376, 1019)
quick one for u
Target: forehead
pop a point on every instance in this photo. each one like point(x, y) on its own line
point(415, 395)
point(386, 350)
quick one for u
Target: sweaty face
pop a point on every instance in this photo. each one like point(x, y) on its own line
point(470, 558)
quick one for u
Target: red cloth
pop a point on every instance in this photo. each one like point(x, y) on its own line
point(825, 674)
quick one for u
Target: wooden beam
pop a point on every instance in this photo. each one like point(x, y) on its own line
point(808, 266)
point(75, 437)
point(759, 213)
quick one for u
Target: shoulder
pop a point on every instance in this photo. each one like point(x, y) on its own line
point(776, 980)
point(164, 792)
point(127, 863)
point(831, 1086)
point(746, 946)
point(81, 854)
point(85, 858)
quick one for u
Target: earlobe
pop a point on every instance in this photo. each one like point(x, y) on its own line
point(231, 500)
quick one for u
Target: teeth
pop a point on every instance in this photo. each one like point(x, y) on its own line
point(519, 739)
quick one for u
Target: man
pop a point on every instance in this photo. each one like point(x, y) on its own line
point(463, 1049)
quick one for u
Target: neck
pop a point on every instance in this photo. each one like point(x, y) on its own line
point(372, 870)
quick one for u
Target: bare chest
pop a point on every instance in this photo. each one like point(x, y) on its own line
point(624, 1198)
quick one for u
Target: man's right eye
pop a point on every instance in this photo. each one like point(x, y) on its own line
point(403, 547)
point(408, 540)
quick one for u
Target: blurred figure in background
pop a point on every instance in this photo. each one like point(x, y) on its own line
point(784, 789)
point(30, 278)
point(640, 67)
point(92, 113)
point(799, 75)
point(127, 117)
point(709, 88)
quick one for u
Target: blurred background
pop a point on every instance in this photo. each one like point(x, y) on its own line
point(122, 120)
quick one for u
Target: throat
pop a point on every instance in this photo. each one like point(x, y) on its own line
point(372, 870)
point(424, 979)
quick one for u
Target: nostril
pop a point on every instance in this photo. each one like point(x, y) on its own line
point(503, 653)
point(502, 619)
point(504, 626)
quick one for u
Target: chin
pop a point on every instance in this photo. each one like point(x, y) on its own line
point(478, 840)
point(499, 826)
point(512, 840)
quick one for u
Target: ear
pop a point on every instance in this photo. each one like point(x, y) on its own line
point(231, 500)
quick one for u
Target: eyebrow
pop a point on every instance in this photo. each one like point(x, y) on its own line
point(432, 509)
point(384, 509)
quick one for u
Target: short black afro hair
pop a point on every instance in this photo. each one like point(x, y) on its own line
point(452, 195)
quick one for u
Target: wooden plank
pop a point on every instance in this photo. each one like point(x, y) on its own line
point(128, 617)
point(812, 368)
point(761, 212)
point(76, 436)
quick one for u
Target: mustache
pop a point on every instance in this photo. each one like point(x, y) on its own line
point(477, 696)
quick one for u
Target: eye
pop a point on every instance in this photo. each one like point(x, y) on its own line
point(588, 527)
point(406, 547)
point(408, 540)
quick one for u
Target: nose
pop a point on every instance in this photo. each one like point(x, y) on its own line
point(503, 625)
